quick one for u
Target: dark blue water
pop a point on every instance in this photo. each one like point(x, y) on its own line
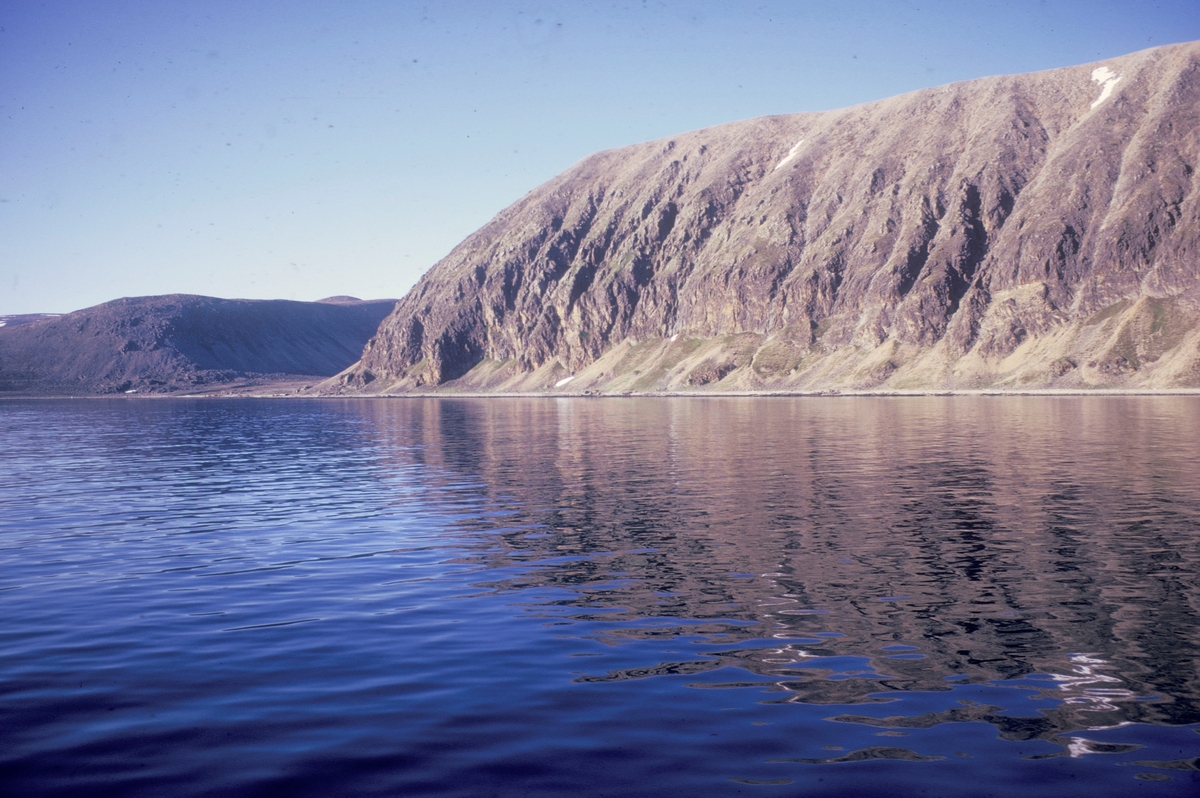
point(778, 597)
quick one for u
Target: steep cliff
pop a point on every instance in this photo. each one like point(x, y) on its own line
point(1023, 231)
point(162, 344)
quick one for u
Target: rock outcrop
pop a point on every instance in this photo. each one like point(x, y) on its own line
point(1038, 230)
point(165, 344)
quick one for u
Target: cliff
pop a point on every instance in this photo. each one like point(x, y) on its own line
point(1038, 230)
point(165, 344)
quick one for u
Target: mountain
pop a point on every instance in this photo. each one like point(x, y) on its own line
point(24, 318)
point(1038, 230)
point(164, 344)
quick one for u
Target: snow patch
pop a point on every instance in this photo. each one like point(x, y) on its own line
point(132, 391)
point(791, 154)
point(3, 323)
point(674, 337)
point(1107, 79)
point(564, 381)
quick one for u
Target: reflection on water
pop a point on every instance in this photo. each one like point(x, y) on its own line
point(979, 539)
point(509, 595)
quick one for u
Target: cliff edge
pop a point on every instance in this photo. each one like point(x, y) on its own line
point(1027, 231)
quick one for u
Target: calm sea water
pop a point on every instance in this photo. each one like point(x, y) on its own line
point(626, 597)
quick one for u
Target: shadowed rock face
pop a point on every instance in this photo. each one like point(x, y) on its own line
point(181, 342)
point(1021, 231)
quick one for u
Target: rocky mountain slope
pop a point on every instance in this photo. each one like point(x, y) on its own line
point(163, 344)
point(1038, 230)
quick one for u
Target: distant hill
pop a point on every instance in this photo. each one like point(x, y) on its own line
point(1027, 231)
point(24, 318)
point(163, 344)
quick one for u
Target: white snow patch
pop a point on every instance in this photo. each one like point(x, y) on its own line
point(791, 154)
point(3, 323)
point(1107, 79)
point(564, 381)
point(133, 391)
point(674, 337)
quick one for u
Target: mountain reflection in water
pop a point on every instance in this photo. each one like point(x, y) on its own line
point(891, 543)
point(633, 596)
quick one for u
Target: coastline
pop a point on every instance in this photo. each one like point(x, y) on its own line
point(258, 393)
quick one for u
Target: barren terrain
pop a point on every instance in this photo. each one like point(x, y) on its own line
point(1037, 231)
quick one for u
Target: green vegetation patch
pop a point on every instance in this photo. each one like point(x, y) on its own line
point(1160, 319)
point(654, 378)
point(622, 263)
point(679, 350)
point(822, 327)
point(777, 357)
point(636, 355)
point(1107, 313)
point(742, 345)
point(1123, 356)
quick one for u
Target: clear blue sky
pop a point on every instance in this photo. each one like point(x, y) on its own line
point(302, 149)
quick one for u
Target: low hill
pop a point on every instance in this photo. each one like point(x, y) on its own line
point(164, 344)
point(24, 318)
point(1027, 231)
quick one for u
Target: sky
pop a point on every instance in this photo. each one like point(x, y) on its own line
point(299, 149)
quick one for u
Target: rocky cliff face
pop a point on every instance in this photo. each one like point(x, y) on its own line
point(163, 344)
point(1025, 231)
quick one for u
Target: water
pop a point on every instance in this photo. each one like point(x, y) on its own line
point(777, 597)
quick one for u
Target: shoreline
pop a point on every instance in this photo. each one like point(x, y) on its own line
point(821, 394)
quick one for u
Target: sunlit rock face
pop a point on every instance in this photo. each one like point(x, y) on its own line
point(1038, 230)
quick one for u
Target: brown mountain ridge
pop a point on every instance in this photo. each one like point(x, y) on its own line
point(184, 343)
point(1027, 231)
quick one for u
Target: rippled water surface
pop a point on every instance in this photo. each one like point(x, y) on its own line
point(842, 596)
